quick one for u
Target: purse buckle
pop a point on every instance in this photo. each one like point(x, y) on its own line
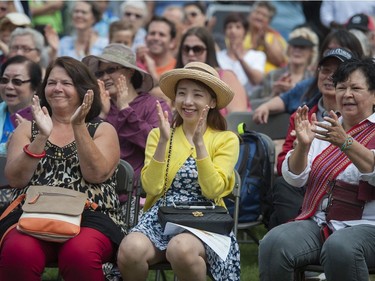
point(197, 214)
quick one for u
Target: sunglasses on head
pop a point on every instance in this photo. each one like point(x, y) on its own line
point(15, 81)
point(109, 70)
point(197, 50)
point(129, 14)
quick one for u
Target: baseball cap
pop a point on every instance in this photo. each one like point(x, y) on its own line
point(300, 41)
point(17, 19)
point(339, 53)
point(362, 22)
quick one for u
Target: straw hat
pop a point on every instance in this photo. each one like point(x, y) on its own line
point(123, 55)
point(201, 72)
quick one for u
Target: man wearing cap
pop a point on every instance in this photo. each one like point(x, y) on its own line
point(291, 100)
point(129, 107)
point(287, 199)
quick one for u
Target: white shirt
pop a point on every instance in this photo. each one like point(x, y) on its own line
point(350, 175)
point(255, 59)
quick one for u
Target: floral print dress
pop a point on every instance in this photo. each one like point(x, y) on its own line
point(185, 187)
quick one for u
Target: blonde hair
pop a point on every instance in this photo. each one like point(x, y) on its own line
point(311, 36)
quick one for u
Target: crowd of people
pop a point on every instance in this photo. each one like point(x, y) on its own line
point(86, 83)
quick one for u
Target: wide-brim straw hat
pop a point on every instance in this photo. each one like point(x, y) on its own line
point(200, 72)
point(122, 55)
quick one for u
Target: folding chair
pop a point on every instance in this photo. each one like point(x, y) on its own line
point(235, 195)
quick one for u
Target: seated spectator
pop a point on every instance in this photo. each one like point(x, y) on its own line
point(19, 80)
point(157, 56)
point(195, 14)
point(197, 44)
point(262, 37)
point(202, 158)
point(7, 24)
point(175, 14)
point(129, 107)
point(29, 42)
point(248, 65)
point(336, 152)
point(135, 13)
point(121, 32)
point(287, 199)
point(302, 53)
point(305, 92)
point(84, 41)
point(66, 145)
point(108, 17)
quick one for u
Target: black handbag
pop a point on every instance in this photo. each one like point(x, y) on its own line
point(215, 219)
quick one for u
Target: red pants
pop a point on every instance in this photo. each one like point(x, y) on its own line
point(23, 257)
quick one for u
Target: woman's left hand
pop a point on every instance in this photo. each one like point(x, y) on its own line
point(201, 127)
point(41, 117)
point(79, 116)
point(333, 132)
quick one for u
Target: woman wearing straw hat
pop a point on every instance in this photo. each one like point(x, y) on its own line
point(129, 107)
point(200, 165)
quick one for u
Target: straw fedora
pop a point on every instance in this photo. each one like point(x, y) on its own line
point(123, 55)
point(201, 72)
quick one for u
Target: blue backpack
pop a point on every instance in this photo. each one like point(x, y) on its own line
point(255, 166)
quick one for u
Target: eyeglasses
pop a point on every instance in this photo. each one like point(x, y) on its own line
point(24, 49)
point(109, 70)
point(129, 14)
point(197, 50)
point(15, 81)
point(326, 70)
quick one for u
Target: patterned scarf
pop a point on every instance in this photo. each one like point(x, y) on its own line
point(327, 165)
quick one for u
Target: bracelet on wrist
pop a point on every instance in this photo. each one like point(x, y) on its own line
point(33, 155)
point(347, 143)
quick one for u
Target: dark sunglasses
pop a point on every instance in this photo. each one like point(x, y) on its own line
point(197, 50)
point(109, 70)
point(15, 81)
point(137, 16)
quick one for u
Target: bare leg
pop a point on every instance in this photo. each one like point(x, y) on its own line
point(135, 254)
point(187, 255)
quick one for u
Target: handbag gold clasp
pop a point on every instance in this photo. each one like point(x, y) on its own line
point(197, 214)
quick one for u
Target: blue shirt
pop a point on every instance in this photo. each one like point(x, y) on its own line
point(295, 96)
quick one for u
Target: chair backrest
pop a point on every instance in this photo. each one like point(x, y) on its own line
point(276, 128)
point(236, 194)
point(125, 185)
point(3, 180)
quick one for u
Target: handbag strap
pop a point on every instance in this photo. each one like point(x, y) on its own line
point(167, 169)
point(12, 206)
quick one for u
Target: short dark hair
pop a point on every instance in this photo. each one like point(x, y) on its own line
point(171, 25)
point(236, 17)
point(83, 80)
point(366, 66)
point(197, 4)
point(33, 70)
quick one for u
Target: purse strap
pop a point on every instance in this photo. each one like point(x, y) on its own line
point(167, 169)
point(12, 206)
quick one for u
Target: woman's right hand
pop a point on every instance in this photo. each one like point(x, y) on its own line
point(41, 117)
point(303, 127)
point(164, 126)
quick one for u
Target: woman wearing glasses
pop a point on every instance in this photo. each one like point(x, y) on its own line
point(127, 104)
point(197, 44)
point(20, 78)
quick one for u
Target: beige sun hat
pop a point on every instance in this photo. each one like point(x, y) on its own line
point(17, 19)
point(123, 55)
point(201, 72)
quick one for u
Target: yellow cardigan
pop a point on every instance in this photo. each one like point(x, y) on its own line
point(216, 176)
